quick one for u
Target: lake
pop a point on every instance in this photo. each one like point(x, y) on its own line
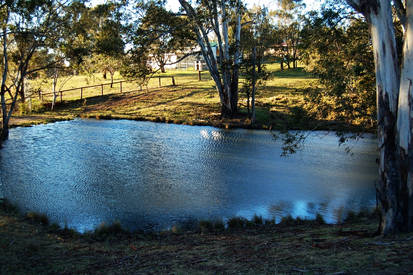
point(150, 176)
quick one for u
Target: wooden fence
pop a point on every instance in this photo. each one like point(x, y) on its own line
point(81, 90)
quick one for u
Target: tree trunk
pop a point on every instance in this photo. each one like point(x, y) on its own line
point(254, 78)
point(224, 70)
point(111, 78)
point(390, 193)
point(405, 119)
point(54, 84)
point(5, 125)
point(4, 133)
point(21, 93)
point(237, 61)
point(387, 85)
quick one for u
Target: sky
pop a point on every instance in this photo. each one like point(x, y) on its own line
point(271, 4)
point(174, 4)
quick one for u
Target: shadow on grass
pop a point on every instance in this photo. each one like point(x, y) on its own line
point(292, 73)
point(113, 98)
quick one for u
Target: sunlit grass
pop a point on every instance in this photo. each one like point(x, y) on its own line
point(65, 83)
point(280, 102)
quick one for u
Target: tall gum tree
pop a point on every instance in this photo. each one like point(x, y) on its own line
point(224, 68)
point(394, 110)
point(28, 27)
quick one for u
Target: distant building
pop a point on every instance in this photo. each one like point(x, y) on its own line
point(195, 61)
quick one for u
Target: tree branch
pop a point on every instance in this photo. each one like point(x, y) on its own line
point(401, 12)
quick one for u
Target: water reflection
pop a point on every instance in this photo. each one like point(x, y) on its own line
point(147, 175)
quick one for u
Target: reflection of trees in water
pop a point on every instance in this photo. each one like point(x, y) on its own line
point(281, 209)
point(329, 209)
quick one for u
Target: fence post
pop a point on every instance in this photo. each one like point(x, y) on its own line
point(173, 81)
point(101, 89)
point(199, 76)
point(160, 85)
point(61, 96)
point(40, 94)
point(81, 93)
point(120, 86)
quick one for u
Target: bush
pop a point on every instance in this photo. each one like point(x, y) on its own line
point(7, 207)
point(319, 219)
point(110, 231)
point(206, 226)
point(257, 220)
point(219, 226)
point(237, 223)
point(288, 220)
point(37, 218)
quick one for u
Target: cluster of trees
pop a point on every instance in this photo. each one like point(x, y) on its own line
point(335, 46)
point(50, 38)
point(58, 37)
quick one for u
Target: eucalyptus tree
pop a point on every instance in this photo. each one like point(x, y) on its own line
point(394, 109)
point(27, 27)
point(289, 17)
point(211, 20)
point(162, 33)
point(109, 40)
point(154, 36)
point(258, 37)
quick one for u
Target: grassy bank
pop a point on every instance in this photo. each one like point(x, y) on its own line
point(29, 245)
point(281, 104)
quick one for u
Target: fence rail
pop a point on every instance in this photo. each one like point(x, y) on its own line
point(41, 95)
point(83, 88)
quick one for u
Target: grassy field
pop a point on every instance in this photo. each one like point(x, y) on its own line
point(280, 103)
point(28, 245)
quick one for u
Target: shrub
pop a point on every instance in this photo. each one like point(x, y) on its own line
point(206, 226)
point(219, 226)
point(7, 207)
point(257, 220)
point(288, 220)
point(110, 231)
point(37, 218)
point(236, 223)
point(319, 219)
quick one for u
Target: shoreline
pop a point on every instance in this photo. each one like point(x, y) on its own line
point(28, 244)
point(29, 121)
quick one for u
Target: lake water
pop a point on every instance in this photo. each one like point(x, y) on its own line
point(151, 175)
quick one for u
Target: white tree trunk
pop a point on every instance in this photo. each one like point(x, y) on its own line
point(54, 84)
point(378, 14)
point(254, 79)
point(226, 74)
point(405, 112)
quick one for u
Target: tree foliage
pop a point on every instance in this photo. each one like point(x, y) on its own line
point(287, 34)
point(339, 52)
point(30, 29)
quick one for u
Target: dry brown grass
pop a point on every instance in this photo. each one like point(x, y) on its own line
point(28, 246)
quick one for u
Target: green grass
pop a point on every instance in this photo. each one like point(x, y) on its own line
point(280, 104)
